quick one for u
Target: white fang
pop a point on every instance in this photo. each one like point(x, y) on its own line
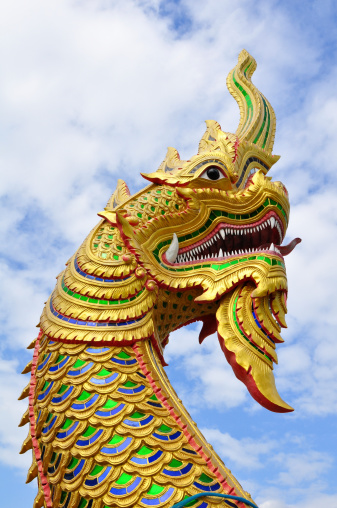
point(172, 251)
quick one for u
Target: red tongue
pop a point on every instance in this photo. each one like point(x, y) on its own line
point(286, 249)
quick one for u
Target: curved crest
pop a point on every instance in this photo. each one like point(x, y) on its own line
point(257, 118)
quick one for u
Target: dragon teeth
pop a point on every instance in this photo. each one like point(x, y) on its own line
point(201, 251)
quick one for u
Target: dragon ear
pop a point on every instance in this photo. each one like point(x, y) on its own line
point(171, 160)
point(168, 167)
point(120, 195)
point(257, 118)
point(210, 139)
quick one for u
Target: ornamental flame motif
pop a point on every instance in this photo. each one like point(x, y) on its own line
point(202, 242)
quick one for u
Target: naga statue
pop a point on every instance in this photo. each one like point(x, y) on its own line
point(202, 242)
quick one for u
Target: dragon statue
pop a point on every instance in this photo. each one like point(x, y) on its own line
point(202, 242)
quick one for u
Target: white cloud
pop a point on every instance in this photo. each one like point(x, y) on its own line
point(214, 384)
point(291, 473)
point(310, 502)
point(244, 453)
point(12, 437)
point(298, 469)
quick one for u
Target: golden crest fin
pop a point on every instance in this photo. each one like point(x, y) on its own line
point(172, 159)
point(120, 195)
point(257, 118)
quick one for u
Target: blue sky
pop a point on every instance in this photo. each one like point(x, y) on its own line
point(94, 91)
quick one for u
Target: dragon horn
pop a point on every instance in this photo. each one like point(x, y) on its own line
point(257, 118)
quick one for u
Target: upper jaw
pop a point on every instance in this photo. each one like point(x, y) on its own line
point(228, 240)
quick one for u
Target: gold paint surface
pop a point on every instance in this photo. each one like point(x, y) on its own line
point(100, 382)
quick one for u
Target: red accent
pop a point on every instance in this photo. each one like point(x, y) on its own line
point(248, 380)
point(209, 326)
point(36, 448)
point(151, 285)
point(127, 258)
point(236, 146)
point(161, 181)
point(140, 276)
point(133, 221)
point(139, 355)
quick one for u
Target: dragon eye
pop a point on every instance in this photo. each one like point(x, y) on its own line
point(212, 173)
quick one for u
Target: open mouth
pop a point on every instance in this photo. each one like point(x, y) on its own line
point(231, 240)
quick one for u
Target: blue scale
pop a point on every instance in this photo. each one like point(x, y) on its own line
point(207, 488)
point(175, 436)
point(104, 381)
point(126, 490)
point(45, 430)
point(80, 371)
point(180, 472)
point(43, 395)
point(97, 350)
point(118, 448)
point(66, 504)
point(68, 432)
point(139, 423)
point(85, 405)
point(149, 460)
point(154, 404)
point(119, 361)
point(159, 500)
point(111, 412)
point(76, 472)
point(90, 440)
point(55, 368)
point(53, 468)
point(63, 397)
point(44, 362)
point(99, 479)
point(172, 437)
point(189, 451)
point(131, 391)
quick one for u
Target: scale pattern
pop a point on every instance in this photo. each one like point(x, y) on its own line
point(105, 438)
point(106, 428)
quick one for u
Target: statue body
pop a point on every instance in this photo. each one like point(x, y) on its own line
point(202, 242)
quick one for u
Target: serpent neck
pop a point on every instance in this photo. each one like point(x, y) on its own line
point(107, 424)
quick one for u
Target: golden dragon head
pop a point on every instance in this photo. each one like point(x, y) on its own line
point(201, 242)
